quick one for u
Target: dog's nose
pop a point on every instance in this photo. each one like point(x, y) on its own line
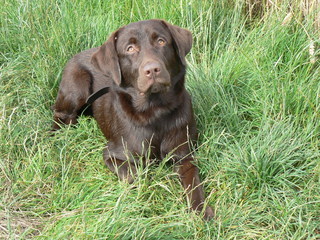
point(152, 69)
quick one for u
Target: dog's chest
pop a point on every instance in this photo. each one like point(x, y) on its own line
point(144, 141)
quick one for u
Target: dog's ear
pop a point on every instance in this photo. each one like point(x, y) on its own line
point(106, 59)
point(182, 39)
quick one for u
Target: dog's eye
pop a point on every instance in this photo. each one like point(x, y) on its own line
point(161, 42)
point(131, 49)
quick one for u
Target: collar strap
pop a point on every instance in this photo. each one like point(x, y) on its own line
point(93, 97)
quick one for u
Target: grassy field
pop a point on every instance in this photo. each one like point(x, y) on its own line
point(256, 98)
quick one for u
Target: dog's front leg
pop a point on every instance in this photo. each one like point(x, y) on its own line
point(124, 169)
point(189, 176)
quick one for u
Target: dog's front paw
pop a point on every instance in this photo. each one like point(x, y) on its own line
point(208, 214)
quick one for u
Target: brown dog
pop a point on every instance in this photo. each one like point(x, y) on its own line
point(147, 110)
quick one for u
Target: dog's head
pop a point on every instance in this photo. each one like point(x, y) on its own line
point(147, 55)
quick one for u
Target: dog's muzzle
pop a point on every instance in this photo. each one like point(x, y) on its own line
point(154, 78)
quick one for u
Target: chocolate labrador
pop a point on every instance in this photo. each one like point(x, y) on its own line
point(136, 80)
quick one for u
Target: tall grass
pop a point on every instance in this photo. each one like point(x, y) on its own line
point(256, 98)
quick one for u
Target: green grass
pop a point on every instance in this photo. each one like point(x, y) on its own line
point(256, 98)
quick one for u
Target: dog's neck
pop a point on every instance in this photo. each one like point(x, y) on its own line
point(148, 108)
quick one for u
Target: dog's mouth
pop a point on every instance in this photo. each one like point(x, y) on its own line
point(157, 87)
